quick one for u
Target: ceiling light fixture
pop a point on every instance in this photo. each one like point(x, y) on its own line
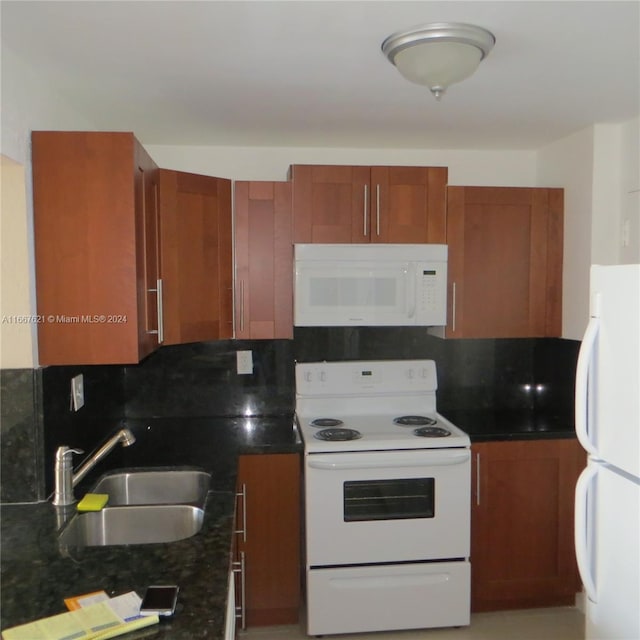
point(440, 54)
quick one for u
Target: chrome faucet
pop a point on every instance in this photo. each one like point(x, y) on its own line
point(66, 479)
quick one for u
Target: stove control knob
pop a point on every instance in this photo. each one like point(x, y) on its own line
point(410, 374)
point(323, 376)
point(308, 376)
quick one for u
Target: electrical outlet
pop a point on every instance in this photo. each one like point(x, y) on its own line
point(77, 392)
point(244, 362)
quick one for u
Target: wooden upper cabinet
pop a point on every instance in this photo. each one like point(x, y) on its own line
point(96, 247)
point(264, 260)
point(505, 262)
point(343, 204)
point(197, 262)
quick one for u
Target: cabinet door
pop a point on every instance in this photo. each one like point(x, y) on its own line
point(408, 204)
point(346, 204)
point(264, 260)
point(505, 262)
point(147, 252)
point(272, 547)
point(94, 229)
point(195, 214)
point(331, 203)
point(522, 552)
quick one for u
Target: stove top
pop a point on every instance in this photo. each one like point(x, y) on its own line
point(377, 432)
point(371, 406)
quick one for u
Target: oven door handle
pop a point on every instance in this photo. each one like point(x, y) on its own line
point(337, 462)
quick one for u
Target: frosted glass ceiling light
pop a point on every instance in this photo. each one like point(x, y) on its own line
point(439, 54)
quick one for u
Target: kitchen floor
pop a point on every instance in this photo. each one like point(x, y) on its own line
point(558, 623)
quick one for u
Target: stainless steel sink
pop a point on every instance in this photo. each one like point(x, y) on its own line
point(142, 524)
point(155, 486)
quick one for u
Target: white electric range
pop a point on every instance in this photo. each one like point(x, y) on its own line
point(387, 492)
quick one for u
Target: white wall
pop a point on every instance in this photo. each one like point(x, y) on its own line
point(466, 167)
point(28, 102)
point(568, 163)
point(630, 205)
point(15, 305)
point(606, 194)
point(598, 168)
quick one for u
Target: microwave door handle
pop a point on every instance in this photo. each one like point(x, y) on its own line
point(410, 276)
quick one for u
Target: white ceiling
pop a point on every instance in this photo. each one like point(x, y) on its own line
point(312, 73)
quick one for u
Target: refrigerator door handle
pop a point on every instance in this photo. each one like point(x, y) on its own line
point(583, 555)
point(582, 385)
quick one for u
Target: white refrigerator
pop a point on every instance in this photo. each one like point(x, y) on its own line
point(607, 513)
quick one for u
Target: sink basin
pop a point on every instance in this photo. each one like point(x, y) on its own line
point(154, 486)
point(142, 524)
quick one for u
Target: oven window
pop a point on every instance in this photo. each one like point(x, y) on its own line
point(389, 499)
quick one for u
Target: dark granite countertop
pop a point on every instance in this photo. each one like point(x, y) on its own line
point(484, 425)
point(37, 575)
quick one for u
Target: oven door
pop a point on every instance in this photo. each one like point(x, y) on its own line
point(387, 506)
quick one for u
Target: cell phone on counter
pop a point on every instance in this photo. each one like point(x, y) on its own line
point(159, 600)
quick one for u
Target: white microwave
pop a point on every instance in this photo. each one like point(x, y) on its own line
point(338, 285)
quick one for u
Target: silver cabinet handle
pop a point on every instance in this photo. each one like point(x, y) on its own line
point(243, 592)
point(365, 211)
point(241, 305)
point(378, 209)
point(159, 306)
point(477, 479)
point(160, 301)
point(243, 529)
point(453, 308)
point(241, 609)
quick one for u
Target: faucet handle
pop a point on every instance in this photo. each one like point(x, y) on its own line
point(63, 451)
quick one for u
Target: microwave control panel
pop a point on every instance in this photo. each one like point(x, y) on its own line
point(432, 293)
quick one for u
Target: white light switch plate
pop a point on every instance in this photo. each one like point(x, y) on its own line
point(77, 392)
point(244, 361)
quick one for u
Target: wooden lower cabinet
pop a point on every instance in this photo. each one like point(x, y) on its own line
point(522, 548)
point(269, 537)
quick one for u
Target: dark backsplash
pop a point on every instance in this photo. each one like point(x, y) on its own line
point(199, 380)
point(21, 459)
point(473, 374)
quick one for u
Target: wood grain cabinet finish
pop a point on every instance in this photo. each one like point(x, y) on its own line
point(96, 247)
point(269, 537)
point(522, 550)
point(264, 260)
point(197, 261)
point(353, 204)
point(505, 262)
